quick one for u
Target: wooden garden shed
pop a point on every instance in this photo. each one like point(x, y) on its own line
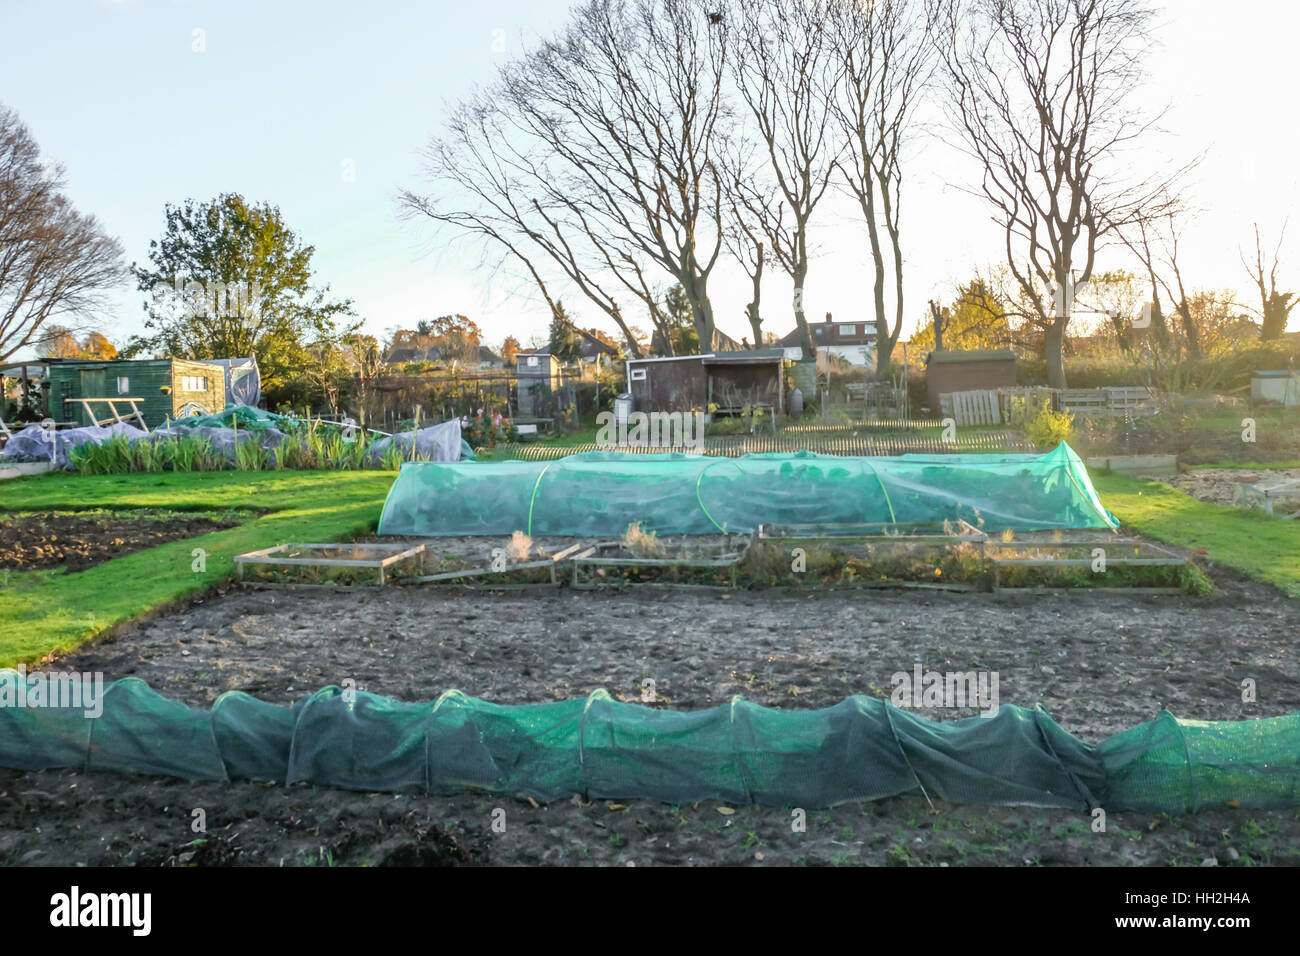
point(968, 371)
point(91, 391)
point(728, 380)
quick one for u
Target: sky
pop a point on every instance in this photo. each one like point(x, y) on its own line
point(321, 108)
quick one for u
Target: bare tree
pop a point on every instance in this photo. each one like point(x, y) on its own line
point(1274, 306)
point(886, 61)
point(630, 100)
point(1040, 91)
point(55, 263)
point(785, 72)
point(747, 190)
point(594, 153)
point(486, 178)
point(1155, 242)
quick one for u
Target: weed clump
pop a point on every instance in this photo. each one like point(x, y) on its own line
point(641, 543)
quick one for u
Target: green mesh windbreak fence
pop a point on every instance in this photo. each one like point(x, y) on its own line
point(861, 748)
point(1171, 765)
point(601, 493)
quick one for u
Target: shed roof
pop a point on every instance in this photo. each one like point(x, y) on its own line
point(745, 356)
point(974, 355)
point(717, 358)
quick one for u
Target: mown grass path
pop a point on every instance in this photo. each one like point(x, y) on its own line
point(45, 612)
point(1264, 548)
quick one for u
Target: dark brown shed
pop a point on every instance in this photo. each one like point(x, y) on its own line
point(949, 371)
point(694, 382)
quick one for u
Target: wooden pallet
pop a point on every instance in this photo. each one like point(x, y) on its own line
point(978, 407)
point(1109, 402)
point(114, 416)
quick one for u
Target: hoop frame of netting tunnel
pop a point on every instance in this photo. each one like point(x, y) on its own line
point(601, 493)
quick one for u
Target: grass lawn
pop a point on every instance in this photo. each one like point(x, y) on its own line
point(1249, 541)
point(47, 611)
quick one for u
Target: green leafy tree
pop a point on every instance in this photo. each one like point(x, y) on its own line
point(565, 342)
point(978, 319)
point(676, 320)
point(230, 279)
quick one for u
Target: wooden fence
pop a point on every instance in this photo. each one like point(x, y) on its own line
point(993, 407)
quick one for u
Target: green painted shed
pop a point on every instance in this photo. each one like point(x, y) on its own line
point(162, 388)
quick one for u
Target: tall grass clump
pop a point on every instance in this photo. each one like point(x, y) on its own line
point(308, 447)
point(111, 457)
point(251, 456)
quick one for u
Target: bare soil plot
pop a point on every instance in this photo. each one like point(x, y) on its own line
point(80, 540)
point(1099, 664)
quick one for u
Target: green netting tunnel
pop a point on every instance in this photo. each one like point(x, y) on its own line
point(861, 748)
point(601, 493)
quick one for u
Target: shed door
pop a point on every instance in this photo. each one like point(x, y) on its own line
point(93, 385)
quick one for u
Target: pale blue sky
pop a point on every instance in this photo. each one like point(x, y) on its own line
point(285, 93)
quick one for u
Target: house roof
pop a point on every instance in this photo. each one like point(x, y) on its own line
point(100, 361)
point(820, 336)
point(403, 355)
point(722, 342)
point(592, 346)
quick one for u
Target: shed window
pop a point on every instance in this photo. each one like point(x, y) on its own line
point(638, 375)
point(123, 385)
point(194, 383)
point(532, 361)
